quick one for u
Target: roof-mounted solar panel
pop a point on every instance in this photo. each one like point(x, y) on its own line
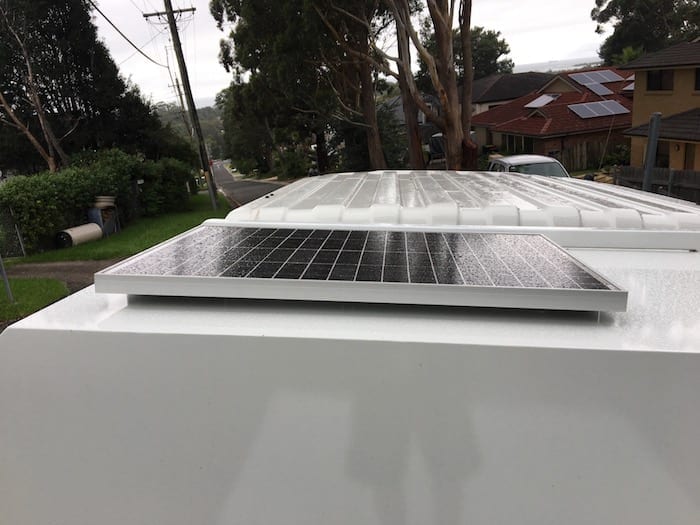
point(372, 266)
point(599, 89)
point(594, 80)
point(542, 100)
point(595, 77)
point(581, 78)
point(609, 76)
point(604, 108)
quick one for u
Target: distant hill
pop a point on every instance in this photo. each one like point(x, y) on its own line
point(558, 65)
point(209, 119)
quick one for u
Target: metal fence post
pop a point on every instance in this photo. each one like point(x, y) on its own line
point(7, 281)
point(652, 142)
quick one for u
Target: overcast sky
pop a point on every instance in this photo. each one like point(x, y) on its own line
point(537, 31)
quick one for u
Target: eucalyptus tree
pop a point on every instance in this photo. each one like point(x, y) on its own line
point(647, 25)
point(60, 88)
point(455, 118)
point(356, 26)
point(489, 52)
point(276, 51)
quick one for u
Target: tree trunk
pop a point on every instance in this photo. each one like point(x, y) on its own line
point(470, 150)
point(321, 152)
point(369, 109)
point(454, 137)
point(410, 109)
point(49, 159)
point(53, 145)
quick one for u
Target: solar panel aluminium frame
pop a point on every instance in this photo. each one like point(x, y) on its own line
point(611, 298)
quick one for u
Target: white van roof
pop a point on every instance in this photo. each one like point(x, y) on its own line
point(572, 212)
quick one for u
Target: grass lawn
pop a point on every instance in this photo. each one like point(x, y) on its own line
point(30, 295)
point(138, 235)
point(33, 294)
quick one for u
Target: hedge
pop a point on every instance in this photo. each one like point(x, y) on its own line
point(46, 203)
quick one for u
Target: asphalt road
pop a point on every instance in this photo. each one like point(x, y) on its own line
point(240, 191)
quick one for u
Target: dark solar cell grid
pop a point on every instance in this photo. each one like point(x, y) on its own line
point(462, 259)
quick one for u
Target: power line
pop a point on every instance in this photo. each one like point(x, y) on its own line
point(136, 6)
point(124, 36)
point(144, 45)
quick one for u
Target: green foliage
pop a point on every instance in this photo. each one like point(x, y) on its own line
point(488, 50)
point(628, 54)
point(619, 156)
point(292, 164)
point(280, 94)
point(78, 85)
point(30, 296)
point(46, 203)
point(164, 187)
point(394, 139)
point(647, 24)
point(209, 119)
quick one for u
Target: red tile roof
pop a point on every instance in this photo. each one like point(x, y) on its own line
point(556, 119)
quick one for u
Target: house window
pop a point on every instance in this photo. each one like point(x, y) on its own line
point(528, 145)
point(660, 80)
point(697, 79)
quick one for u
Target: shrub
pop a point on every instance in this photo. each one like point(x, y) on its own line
point(291, 164)
point(46, 203)
point(175, 175)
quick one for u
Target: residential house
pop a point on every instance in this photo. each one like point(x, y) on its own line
point(577, 117)
point(498, 89)
point(668, 82)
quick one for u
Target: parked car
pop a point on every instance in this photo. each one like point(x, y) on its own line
point(530, 164)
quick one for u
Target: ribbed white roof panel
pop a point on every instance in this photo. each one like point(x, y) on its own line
point(475, 199)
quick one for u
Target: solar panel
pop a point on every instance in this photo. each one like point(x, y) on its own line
point(582, 110)
point(582, 78)
point(594, 80)
point(628, 87)
point(605, 108)
point(595, 77)
point(599, 89)
point(614, 106)
point(609, 76)
point(414, 267)
point(542, 100)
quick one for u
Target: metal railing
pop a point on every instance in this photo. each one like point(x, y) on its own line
point(682, 184)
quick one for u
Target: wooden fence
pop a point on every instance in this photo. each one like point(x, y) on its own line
point(682, 184)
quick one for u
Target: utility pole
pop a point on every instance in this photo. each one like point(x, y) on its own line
point(203, 156)
point(182, 107)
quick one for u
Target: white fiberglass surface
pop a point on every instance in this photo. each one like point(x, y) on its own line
point(469, 198)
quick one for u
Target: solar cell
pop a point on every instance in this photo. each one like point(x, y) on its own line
point(461, 269)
